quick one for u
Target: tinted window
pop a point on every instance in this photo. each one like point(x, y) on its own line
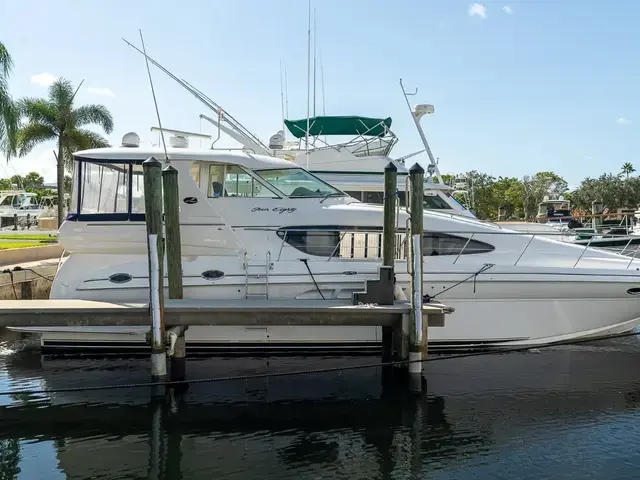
point(436, 243)
point(429, 202)
point(356, 195)
point(320, 243)
point(373, 197)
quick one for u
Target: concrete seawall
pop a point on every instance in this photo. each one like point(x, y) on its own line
point(29, 283)
point(18, 256)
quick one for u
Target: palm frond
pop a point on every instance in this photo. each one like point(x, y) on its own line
point(61, 94)
point(6, 63)
point(93, 114)
point(38, 110)
point(80, 139)
point(33, 134)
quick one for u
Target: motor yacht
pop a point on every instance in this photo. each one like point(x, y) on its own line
point(262, 226)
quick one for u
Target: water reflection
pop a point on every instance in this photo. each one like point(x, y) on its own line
point(475, 413)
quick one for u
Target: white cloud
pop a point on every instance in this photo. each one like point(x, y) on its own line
point(43, 79)
point(41, 160)
point(477, 9)
point(507, 9)
point(623, 121)
point(103, 91)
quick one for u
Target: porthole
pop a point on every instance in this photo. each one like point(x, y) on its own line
point(120, 278)
point(634, 291)
point(212, 274)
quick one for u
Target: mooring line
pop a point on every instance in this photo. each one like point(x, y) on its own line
point(173, 383)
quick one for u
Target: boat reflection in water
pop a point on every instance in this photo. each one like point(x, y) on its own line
point(480, 416)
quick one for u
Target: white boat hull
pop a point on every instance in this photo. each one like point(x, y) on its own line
point(498, 308)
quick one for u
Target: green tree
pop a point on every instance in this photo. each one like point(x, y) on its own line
point(8, 112)
point(33, 180)
point(508, 193)
point(55, 118)
point(540, 185)
point(612, 190)
point(627, 169)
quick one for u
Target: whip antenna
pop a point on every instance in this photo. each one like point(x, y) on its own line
point(153, 91)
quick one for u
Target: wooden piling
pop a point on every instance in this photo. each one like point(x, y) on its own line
point(417, 335)
point(152, 170)
point(172, 231)
point(171, 197)
point(389, 225)
point(597, 206)
point(388, 244)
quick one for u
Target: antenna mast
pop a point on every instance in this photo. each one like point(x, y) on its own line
point(286, 93)
point(282, 95)
point(433, 167)
point(314, 61)
point(324, 110)
point(306, 142)
point(153, 91)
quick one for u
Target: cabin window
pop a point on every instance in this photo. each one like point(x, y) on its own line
point(431, 202)
point(356, 195)
point(104, 188)
point(373, 197)
point(137, 190)
point(320, 243)
point(435, 202)
point(238, 183)
point(216, 181)
point(436, 243)
point(7, 202)
point(195, 173)
point(297, 183)
point(234, 181)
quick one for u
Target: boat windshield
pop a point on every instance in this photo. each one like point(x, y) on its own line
point(297, 183)
point(457, 203)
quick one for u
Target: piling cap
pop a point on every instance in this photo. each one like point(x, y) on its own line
point(390, 167)
point(169, 169)
point(152, 162)
point(416, 168)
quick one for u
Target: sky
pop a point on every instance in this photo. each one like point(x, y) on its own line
point(518, 86)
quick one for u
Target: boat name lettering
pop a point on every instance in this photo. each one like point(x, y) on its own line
point(280, 210)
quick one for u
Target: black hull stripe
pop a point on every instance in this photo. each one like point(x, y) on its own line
point(248, 348)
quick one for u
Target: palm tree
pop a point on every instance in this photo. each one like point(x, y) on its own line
point(627, 169)
point(8, 114)
point(54, 118)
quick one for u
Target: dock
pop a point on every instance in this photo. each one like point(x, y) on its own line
point(69, 313)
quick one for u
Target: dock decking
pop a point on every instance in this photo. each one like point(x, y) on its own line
point(28, 313)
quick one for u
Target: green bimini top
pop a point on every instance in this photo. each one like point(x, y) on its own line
point(344, 125)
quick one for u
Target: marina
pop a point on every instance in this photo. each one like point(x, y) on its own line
point(426, 270)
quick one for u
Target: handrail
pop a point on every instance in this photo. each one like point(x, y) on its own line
point(525, 249)
point(583, 252)
point(632, 259)
point(365, 245)
point(465, 246)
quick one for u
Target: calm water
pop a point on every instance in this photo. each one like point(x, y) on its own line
point(571, 412)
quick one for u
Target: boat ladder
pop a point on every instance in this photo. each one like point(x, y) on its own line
point(256, 277)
